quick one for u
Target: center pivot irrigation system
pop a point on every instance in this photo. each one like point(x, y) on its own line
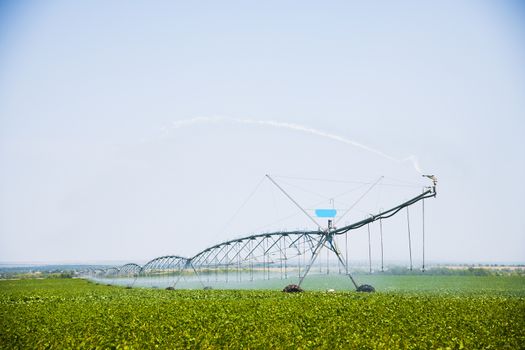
point(282, 255)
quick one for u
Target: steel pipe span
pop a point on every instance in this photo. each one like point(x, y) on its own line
point(283, 255)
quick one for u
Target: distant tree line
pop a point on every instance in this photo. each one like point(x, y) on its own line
point(4, 274)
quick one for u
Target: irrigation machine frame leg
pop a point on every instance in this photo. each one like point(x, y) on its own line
point(341, 260)
point(333, 247)
point(181, 273)
point(197, 274)
point(315, 254)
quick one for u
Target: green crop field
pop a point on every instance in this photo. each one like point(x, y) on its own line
point(432, 312)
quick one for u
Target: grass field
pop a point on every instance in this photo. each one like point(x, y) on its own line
point(466, 312)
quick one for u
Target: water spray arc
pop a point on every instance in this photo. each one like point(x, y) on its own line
point(293, 127)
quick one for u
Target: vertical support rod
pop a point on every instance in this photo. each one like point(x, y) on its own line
point(327, 262)
point(268, 264)
point(281, 256)
point(208, 270)
point(381, 235)
point(423, 207)
point(285, 261)
point(299, 257)
point(346, 251)
point(409, 240)
point(227, 265)
point(338, 265)
point(264, 259)
point(239, 262)
point(369, 250)
point(251, 260)
point(304, 256)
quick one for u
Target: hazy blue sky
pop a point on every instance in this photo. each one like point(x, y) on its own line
point(92, 166)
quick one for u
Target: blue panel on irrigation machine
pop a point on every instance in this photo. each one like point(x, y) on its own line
point(325, 213)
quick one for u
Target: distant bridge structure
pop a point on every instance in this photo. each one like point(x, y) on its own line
point(278, 256)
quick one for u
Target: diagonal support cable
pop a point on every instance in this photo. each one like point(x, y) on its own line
point(294, 202)
point(359, 199)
